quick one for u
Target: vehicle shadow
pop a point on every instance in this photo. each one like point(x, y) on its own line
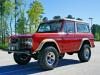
point(32, 68)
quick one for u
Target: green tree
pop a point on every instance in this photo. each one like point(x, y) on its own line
point(21, 20)
point(96, 31)
point(9, 13)
point(17, 10)
point(2, 35)
point(21, 29)
point(34, 14)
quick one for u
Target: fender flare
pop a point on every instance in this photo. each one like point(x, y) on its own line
point(82, 41)
point(46, 41)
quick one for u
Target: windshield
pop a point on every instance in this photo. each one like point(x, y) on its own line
point(50, 27)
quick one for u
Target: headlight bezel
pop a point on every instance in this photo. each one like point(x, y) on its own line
point(29, 42)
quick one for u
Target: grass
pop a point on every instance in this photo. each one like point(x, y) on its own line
point(4, 47)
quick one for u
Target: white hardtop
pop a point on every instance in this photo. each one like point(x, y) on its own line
point(79, 21)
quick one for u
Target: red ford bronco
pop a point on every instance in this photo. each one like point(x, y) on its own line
point(51, 41)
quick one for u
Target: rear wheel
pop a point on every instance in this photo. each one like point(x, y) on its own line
point(85, 53)
point(48, 58)
point(21, 59)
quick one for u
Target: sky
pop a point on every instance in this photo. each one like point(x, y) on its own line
point(78, 8)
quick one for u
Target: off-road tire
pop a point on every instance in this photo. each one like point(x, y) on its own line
point(61, 56)
point(42, 58)
point(82, 54)
point(21, 59)
point(35, 56)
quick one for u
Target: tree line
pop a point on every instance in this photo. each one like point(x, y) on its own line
point(96, 31)
point(17, 17)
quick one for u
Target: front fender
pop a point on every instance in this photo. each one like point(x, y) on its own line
point(46, 41)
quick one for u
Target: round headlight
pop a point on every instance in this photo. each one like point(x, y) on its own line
point(29, 42)
point(29, 39)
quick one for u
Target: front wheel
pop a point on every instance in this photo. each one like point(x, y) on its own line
point(48, 58)
point(61, 56)
point(21, 59)
point(85, 53)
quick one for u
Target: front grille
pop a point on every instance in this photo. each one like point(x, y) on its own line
point(14, 40)
point(20, 42)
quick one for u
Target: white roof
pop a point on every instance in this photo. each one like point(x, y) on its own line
point(81, 21)
point(75, 20)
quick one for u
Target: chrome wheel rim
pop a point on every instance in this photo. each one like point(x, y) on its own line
point(50, 58)
point(86, 53)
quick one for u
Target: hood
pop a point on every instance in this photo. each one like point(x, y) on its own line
point(22, 36)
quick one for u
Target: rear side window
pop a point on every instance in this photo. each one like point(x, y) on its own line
point(69, 27)
point(83, 27)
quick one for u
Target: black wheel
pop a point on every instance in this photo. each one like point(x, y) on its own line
point(85, 53)
point(48, 58)
point(21, 59)
point(35, 56)
point(61, 56)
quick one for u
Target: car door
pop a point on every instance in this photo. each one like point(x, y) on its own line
point(68, 37)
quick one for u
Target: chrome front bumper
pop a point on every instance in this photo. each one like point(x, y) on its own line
point(15, 48)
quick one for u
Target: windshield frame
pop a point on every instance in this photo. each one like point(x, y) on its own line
point(60, 21)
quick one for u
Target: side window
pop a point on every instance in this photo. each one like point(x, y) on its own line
point(83, 27)
point(69, 27)
point(56, 26)
point(44, 28)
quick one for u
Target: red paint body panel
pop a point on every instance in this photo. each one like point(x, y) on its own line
point(39, 37)
point(22, 36)
point(66, 42)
